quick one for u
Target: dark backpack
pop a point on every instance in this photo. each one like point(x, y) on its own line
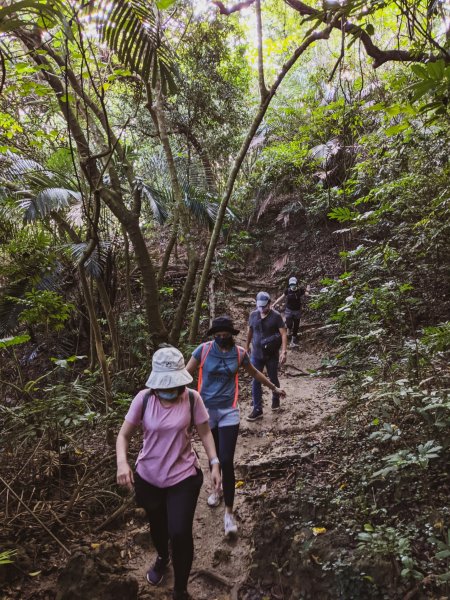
point(191, 404)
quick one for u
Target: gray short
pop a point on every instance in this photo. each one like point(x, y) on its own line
point(222, 417)
point(292, 313)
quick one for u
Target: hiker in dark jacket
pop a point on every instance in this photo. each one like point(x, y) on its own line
point(293, 296)
point(267, 336)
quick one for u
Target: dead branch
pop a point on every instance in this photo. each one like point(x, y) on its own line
point(34, 516)
point(125, 505)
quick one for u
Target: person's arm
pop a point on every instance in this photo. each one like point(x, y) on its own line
point(192, 365)
point(207, 439)
point(249, 339)
point(124, 472)
point(284, 340)
point(263, 379)
point(274, 305)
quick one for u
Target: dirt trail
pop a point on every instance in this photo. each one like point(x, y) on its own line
point(221, 565)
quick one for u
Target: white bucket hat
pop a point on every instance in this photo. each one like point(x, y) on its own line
point(168, 370)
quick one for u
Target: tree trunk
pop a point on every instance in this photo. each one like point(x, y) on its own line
point(126, 246)
point(151, 298)
point(97, 337)
point(174, 336)
point(167, 253)
point(110, 318)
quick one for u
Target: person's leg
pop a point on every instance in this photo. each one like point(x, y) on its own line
point(153, 500)
point(296, 323)
point(181, 503)
point(289, 324)
point(215, 497)
point(258, 363)
point(228, 435)
point(272, 373)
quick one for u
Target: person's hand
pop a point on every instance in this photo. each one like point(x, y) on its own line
point(216, 477)
point(280, 392)
point(283, 356)
point(125, 476)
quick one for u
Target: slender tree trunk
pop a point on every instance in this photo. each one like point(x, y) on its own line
point(150, 288)
point(167, 253)
point(174, 336)
point(110, 318)
point(235, 171)
point(126, 246)
point(97, 337)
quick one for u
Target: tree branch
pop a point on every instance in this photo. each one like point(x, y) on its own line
point(380, 56)
point(228, 11)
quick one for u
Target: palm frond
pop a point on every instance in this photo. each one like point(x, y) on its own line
point(158, 199)
point(10, 310)
point(129, 27)
point(96, 263)
point(47, 201)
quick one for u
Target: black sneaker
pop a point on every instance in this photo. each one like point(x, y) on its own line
point(181, 595)
point(254, 415)
point(276, 404)
point(156, 574)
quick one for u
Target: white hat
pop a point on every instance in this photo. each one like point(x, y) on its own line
point(293, 281)
point(168, 370)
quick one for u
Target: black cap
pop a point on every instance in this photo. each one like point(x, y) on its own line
point(223, 323)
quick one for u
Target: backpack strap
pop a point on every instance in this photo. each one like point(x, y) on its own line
point(240, 355)
point(191, 406)
point(206, 348)
point(145, 402)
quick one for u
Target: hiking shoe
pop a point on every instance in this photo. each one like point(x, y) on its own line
point(215, 498)
point(254, 415)
point(276, 404)
point(156, 574)
point(181, 595)
point(229, 524)
point(293, 344)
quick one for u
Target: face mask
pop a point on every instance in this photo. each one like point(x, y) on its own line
point(293, 287)
point(264, 309)
point(223, 342)
point(168, 395)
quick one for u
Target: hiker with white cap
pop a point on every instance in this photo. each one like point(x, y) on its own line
point(219, 362)
point(168, 478)
point(267, 336)
point(293, 297)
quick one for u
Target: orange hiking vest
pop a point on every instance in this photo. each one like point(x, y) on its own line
point(206, 347)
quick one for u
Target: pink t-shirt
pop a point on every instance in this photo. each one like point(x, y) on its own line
point(166, 457)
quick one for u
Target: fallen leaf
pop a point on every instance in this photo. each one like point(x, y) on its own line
point(239, 484)
point(95, 546)
point(35, 573)
point(319, 530)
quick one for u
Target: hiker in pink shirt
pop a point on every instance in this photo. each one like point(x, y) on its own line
point(168, 478)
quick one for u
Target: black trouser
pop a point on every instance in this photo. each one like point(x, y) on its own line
point(293, 323)
point(225, 439)
point(170, 512)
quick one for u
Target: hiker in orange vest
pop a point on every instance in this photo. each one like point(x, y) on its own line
point(219, 362)
point(168, 478)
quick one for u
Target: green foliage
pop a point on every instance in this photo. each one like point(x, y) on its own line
point(6, 557)
point(391, 543)
point(42, 307)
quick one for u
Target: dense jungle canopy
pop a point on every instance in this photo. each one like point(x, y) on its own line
point(156, 157)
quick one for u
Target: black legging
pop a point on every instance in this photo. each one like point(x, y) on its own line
point(225, 439)
point(170, 512)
